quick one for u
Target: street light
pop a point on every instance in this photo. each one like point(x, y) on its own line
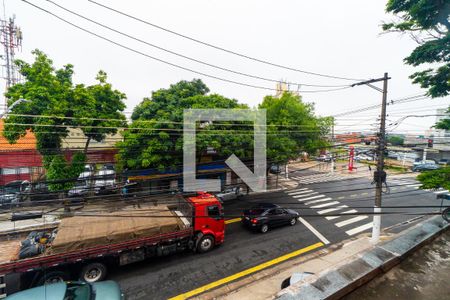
point(21, 100)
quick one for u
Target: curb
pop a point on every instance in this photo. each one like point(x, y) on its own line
point(336, 282)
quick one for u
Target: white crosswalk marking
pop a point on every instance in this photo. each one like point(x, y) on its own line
point(320, 177)
point(350, 221)
point(300, 192)
point(414, 185)
point(321, 212)
point(359, 229)
point(302, 189)
point(304, 195)
point(325, 204)
point(317, 201)
point(441, 192)
point(310, 198)
point(352, 211)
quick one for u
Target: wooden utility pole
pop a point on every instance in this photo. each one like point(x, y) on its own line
point(379, 175)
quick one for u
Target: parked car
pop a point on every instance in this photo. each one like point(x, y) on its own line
point(11, 193)
point(103, 290)
point(443, 162)
point(80, 189)
point(425, 167)
point(230, 193)
point(263, 217)
point(39, 192)
point(420, 161)
point(324, 158)
point(105, 182)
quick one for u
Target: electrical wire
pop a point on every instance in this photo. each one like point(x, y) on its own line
point(184, 56)
point(220, 48)
point(167, 62)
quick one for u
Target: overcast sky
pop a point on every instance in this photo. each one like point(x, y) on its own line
point(340, 38)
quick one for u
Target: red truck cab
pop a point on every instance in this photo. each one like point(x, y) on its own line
point(208, 219)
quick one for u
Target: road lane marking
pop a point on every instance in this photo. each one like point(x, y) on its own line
point(353, 195)
point(363, 194)
point(313, 230)
point(229, 221)
point(300, 192)
point(325, 205)
point(345, 212)
point(331, 209)
point(305, 195)
point(414, 185)
point(310, 198)
point(302, 189)
point(350, 221)
point(246, 272)
point(440, 192)
point(341, 197)
point(317, 201)
point(359, 229)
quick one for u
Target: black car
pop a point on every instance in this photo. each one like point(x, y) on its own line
point(265, 216)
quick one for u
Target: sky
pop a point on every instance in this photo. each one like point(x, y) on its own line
point(339, 38)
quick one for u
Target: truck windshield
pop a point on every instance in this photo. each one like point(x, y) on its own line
point(81, 291)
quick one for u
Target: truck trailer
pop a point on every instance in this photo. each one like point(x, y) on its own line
point(86, 245)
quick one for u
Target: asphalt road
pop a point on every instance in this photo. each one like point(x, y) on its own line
point(166, 277)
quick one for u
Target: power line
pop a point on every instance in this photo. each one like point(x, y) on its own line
point(167, 62)
point(182, 55)
point(220, 48)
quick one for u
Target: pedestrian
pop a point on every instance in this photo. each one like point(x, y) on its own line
point(370, 169)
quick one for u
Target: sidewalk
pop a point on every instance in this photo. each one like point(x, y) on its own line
point(334, 269)
point(7, 226)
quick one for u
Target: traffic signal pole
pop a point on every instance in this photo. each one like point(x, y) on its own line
point(380, 174)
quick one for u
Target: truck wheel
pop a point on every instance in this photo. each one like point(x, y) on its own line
point(93, 272)
point(264, 228)
point(205, 244)
point(52, 277)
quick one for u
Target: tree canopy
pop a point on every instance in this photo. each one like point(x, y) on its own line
point(427, 22)
point(292, 127)
point(154, 138)
point(56, 104)
point(395, 140)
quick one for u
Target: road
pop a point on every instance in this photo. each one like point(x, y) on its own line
point(316, 197)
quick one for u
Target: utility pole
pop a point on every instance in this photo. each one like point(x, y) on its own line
point(11, 39)
point(379, 175)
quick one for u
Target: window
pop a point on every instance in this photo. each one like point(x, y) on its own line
point(24, 170)
point(8, 171)
point(213, 211)
point(278, 211)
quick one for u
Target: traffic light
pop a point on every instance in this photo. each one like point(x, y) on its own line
point(430, 143)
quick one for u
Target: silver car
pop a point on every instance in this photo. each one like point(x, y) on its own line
point(230, 193)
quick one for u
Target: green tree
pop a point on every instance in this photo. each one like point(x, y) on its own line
point(395, 140)
point(292, 128)
point(435, 179)
point(427, 22)
point(99, 111)
point(444, 123)
point(55, 105)
point(439, 178)
point(155, 140)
